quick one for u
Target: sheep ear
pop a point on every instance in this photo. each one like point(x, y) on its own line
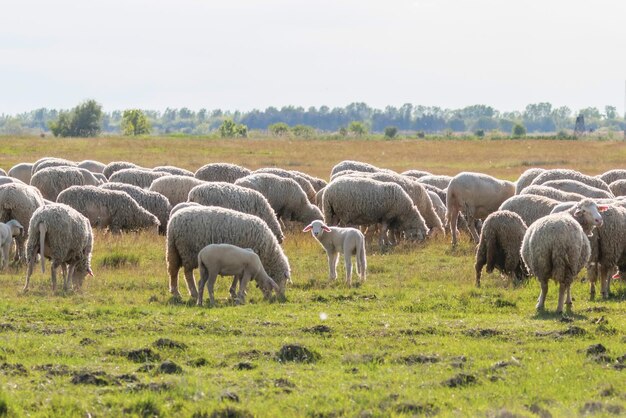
point(602, 208)
point(307, 228)
point(325, 228)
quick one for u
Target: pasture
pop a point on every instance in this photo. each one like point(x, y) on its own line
point(417, 338)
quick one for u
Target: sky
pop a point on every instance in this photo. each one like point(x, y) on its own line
point(251, 54)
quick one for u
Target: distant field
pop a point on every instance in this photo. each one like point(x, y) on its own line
point(416, 339)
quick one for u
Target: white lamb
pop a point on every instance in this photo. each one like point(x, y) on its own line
point(229, 260)
point(8, 231)
point(334, 239)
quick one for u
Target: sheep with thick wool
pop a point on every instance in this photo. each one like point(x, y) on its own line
point(225, 172)
point(115, 166)
point(526, 178)
point(176, 188)
point(529, 207)
point(552, 193)
point(575, 186)
point(568, 174)
point(53, 180)
point(141, 177)
point(22, 172)
point(305, 184)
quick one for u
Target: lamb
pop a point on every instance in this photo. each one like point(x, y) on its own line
point(108, 208)
point(284, 195)
point(177, 171)
point(557, 246)
point(46, 162)
point(53, 180)
point(19, 202)
point(353, 165)
point(141, 177)
point(439, 181)
point(153, 202)
point(225, 172)
point(529, 207)
point(566, 174)
point(552, 193)
point(8, 231)
point(499, 245)
point(348, 241)
point(618, 187)
point(526, 178)
point(115, 166)
point(175, 188)
point(193, 228)
point(63, 235)
point(95, 167)
point(416, 173)
point(476, 195)
point(363, 201)
point(306, 186)
point(238, 198)
point(22, 172)
point(613, 176)
point(574, 186)
point(230, 260)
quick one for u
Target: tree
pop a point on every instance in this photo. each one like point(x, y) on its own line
point(230, 129)
point(610, 112)
point(303, 131)
point(278, 129)
point(135, 122)
point(391, 132)
point(357, 128)
point(85, 120)
point(518, 130)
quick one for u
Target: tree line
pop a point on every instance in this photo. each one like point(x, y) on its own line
point(88, 119)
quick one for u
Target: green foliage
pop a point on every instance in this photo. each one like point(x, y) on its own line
point(391, 132)
point(357, 128)
point(480, 133)
point(303, 131)
point(279, 129)
point(518, 130)
point(343, 131)
point(230, 129)
point(85, 120)
point(135, 122)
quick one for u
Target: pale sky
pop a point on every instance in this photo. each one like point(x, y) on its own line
point(247, 54)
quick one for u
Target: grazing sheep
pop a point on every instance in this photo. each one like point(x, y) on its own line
point(90, 179)
point(6, 180)
point(175, 188)
point(108, 208)
point(526, 178)
point(575, 186)
point(613, 176)
point(567, 174)
point(317, 183)
point(193, 228)
point(115, 166)
point(556, 246)
point(439, 181)
point(153, 202)
point(95, 167)
point(529, 207)
point(100, 177)
point(335, 240)
point(552, 193)
point(499, 245)
point(177, 171)
point(63, 235)
point(439, 192)
point(19, 202)
point(22, 172)
point(284, 195)
point(355, 166)
point(53, 180)
point(242, 199)
point(416, 173)
point(184, 205)
point(225, 172)
point(363, 201)
point(141, 177)
point(8, 231)
point(476, 195)
point(438, 206)
point(618, 187)
point(306, 186)
point(230, 260)
point(51, 162)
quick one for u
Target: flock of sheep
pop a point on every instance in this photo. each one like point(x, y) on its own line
point(227, 220)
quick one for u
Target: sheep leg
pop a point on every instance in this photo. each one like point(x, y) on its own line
point(562, 291)
point(591, 277)
point(605, 276)
point(29, 272)
point(5, 256)
point(173, 272)
point(211, 287)
point(233, 287)
point(383, 233)
point(542, 296)
point(191, 283)
point(568, 297)
point(53, 270)
point(471, 224)
point(452, 218)
point(65, 276)
point(204, 276)
point(333, 259)
point(245, 279)
point(361, 261)
point(348, 261)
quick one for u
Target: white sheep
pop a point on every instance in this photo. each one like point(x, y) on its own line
point(177, 171)
point(575, 186)
point(22, 172)
point(141, 177)
point(440, 181)
point(306, 185)
point(567, 174)
point(95, 167)
point(53, 180)
point(8, 231)
point(19, 201)
point(529, 207)
point(552, 193)
point(335, 240)
point(175, 187)
point(225, 172)
point(229, 260)
point(526, 178)
point(115, 166)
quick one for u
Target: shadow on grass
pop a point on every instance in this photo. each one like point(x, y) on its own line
point(567, 316)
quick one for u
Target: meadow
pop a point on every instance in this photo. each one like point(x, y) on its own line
point(416, 339)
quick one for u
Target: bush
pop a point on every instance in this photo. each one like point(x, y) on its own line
point(357, 128)
point(230, 129)
point(391, 132)
point(480, 133)
point(85, 120)
point(303, 131)
point(278, 129)
point(518, 130)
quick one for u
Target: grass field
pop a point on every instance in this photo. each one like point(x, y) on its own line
point(416, 339)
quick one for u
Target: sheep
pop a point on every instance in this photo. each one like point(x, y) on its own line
point(63, 235)
point(173, 170)
point(526, 178)
point(364, 201)
point(499, 245)
point(353, 165)
point(439, 181)
point(618, 187)
point(19, 202)
point(184, 205)
point(316, 182)
point(175, 188)
point(95, 167)
point(153, 202)
point(242, 199)
point(416, 173)
point(22, 172)
point(418, 195)
point(90, 179)
point(575, 186)
point(225, 172)
point(476, 195)
point(193, 228)
point(306, 185)
point(557, 246)
point(566, 174)
point(613, 176)
point(115, 166)
point(51, 162)
point(141, 177)
point(348, 241)
point(108, 208)
point(230, 260)
point(438, 206)
point(552, 193)
point(100, 177)
point(7, 180)
point(284, 195)
point(439, 192)
point(53, 180)
point(529, 207)
point(8, 231)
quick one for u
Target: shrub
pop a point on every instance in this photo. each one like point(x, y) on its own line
point(303, 131)
point(278, 129)
point(391, 132)
point(230, 129)
point(357, 128)
point(518, 130)
point(480, 133)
